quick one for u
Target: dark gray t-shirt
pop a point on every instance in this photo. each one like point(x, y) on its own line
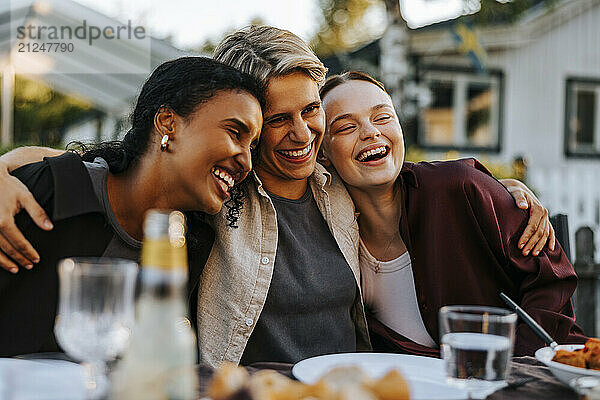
point(122, 245)
point(307, 311)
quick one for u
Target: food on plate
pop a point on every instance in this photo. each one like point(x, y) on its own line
point(342, 383)
point(575, 358)
point(588, 357)
point(346, 383)
point(228, 380)
point(271, 385)
point(592, 353)
point(391, 387)
point(340, 377)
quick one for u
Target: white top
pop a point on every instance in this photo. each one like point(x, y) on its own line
point(389, 291)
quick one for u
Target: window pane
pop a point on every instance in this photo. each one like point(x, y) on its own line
point(480, 101)
point(582, 129)
point(438, 119)
point(463, 111)
point(586, 105)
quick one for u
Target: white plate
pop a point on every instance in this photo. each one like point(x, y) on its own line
point(425, 376)
point(41, 379)
point(564, 373)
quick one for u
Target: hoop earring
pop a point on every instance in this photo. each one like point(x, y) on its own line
point(164, 143)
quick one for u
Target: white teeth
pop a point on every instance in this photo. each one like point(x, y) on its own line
point(224, 186)
point(226, 179)
point(368, 153)
point(296, 153)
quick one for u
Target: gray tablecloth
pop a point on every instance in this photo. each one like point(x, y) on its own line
point(543, 385)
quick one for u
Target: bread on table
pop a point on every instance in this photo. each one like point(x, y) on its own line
point(341, 383)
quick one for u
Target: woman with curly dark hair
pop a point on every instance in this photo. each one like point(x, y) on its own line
point(193, 128)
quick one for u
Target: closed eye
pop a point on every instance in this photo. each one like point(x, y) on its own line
point(234, 132)
point(383, 118)
point(345, 128)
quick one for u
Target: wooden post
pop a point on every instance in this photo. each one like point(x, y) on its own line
point(586, 295)
point(560, 223)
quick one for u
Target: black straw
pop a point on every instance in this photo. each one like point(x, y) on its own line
point(537, 329)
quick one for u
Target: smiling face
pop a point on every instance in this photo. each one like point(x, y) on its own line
point(292, 134)
point(211, 148)
point(364, 140)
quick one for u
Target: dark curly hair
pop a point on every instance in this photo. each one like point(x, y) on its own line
point(183, 85)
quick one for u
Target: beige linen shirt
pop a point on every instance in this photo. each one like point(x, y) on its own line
point(237, 275)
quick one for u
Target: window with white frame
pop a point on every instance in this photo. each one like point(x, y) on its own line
point(464, 111)
point(582, 125)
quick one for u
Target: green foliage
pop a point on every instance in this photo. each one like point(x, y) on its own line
point(415, 154)
point(343, 27)
point(6, 149)
point(41, 114)
point(499, 170)
point(208, 47)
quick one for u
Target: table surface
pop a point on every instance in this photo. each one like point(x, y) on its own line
point(542, 384)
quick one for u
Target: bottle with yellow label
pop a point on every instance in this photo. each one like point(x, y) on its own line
point(159, 363)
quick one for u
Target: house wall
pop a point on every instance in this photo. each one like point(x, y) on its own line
point(534, 117)
point(536, 86)
point(535, 72)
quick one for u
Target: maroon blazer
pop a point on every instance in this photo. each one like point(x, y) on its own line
point(461, 228)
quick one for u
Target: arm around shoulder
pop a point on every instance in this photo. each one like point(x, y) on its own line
point(26, 155)
point(16, 196)
point(543, 284)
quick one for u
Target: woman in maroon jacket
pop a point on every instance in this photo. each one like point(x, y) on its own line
point(434, 233)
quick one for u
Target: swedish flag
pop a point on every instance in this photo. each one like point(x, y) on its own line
point(468, 43)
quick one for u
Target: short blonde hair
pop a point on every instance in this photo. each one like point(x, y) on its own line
point(266, 52)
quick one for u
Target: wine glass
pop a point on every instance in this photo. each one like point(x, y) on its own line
point(95, 313)
point(477, 344)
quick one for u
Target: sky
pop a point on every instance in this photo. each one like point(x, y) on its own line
point(191, 23)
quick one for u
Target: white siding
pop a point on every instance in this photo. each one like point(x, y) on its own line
point(535, 88)
point(534, 117)
point(534, 114)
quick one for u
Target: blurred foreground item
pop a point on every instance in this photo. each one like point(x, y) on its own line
point(341, 383)
point(160, 363)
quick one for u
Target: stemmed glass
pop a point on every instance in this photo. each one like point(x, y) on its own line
point(95, 313)
point(477, 344)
